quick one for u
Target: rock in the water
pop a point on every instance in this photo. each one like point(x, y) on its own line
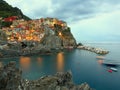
point(84, 86)
point(63, 78)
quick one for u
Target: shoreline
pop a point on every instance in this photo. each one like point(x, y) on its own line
point(15, 54)
point(38, 52)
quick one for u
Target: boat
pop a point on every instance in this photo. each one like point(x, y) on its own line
point(110, 70)
point(112, 64)
point(113, 69)
point(100, 57)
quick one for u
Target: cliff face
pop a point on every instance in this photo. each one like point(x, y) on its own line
point(58, 37)
point(68, 39)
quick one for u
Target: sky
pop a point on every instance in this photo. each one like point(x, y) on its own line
point(89, 20)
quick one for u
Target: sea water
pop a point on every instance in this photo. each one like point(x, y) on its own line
point(83, 65)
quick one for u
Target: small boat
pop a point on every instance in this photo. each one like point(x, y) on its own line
point(110, 70)
point(112, 64)
point(113, 69)
point(100, 57)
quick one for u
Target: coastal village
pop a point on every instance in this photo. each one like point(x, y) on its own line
point(22, 30)
point(43, 34)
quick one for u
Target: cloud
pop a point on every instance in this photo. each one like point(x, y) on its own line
point(90, 20)
point(65, 9)
point(104, 27)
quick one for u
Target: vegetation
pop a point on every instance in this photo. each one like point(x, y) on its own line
point(7, 10)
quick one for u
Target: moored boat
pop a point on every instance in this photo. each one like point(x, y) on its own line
point(100, 57)
point(110, 70)
point(113, 69)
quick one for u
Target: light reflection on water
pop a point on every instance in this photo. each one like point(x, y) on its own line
point(39, 61)
point(25, 63)
point(41, 65)
point(100, 62)
point(60, 61)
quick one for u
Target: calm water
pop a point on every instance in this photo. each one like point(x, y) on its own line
point(83, 64)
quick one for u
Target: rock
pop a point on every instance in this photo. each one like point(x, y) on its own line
point(67, 38)
point(1, 55)
point(63, 78)
point(57, 88)
point(64, 88)
point(52, 41)
point(11, 79)
point(3, 36)
point(79, 44)
point(84, 86)
point(1, 65)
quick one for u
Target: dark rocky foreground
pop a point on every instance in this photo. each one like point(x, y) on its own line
point(11, 79)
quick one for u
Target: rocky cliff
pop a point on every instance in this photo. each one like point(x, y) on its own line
point(11, 79)
point(50, 33)
point(58, 38)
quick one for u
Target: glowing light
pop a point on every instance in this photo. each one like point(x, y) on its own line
point(60, 34)
point(11, 26)
point(39, 61)
point(8, 38)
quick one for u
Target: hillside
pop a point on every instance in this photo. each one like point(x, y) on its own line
point(7, 10)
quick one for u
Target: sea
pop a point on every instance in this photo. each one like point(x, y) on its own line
point(84, 65)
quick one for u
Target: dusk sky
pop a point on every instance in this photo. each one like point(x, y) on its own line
point(90, 20)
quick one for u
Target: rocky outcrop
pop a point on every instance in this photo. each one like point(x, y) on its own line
point(3, 36)
point(1, 55)
point(50, 40)
point(58, 39)
point(68, 39)
point(11, 79)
